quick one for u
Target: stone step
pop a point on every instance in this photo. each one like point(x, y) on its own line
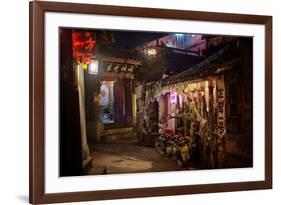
point(122, 130)
point(119, 135)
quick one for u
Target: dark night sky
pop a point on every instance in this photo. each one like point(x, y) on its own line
point(129, 39)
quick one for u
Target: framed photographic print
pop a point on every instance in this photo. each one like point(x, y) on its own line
point(138, 102)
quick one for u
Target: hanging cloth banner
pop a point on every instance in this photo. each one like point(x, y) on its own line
point(138, 91)
point(221, 105)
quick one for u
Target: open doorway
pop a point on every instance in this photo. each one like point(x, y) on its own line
point(107, 102)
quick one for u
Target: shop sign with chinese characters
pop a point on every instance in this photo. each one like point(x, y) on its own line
point(83, 44)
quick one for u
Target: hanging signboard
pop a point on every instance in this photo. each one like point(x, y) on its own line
point(221, 105)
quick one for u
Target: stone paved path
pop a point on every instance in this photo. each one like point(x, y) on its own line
point(128, 158)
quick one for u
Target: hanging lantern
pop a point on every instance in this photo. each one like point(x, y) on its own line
point(151, 51)
point(84, 66)
point(186, 89)
point(194, 86)
point(173, 97)
point(93, 67)
point(190, 86)
point(182, 88)
point(202, 85)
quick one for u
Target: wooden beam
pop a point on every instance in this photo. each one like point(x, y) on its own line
point(119, 60)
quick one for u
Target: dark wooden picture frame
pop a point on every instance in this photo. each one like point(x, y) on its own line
point(37, 96)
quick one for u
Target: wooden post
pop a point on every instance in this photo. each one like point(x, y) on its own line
point(128, 102)
point(212, 147)
point(92, 91)
point(70, 134)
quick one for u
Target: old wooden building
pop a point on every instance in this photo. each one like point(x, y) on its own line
point(197, 85)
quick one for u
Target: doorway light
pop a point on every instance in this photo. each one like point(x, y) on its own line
point(93, 67)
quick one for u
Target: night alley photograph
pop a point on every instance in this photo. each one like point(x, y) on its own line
point(138, 101)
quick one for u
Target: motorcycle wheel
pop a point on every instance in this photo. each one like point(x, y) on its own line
point(185, 158)
point(178, 158)
point(160, 147)
point(182, 160)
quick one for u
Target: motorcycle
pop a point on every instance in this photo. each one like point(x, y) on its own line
point(162, 142)
point(174, 146)
point(182, 151)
